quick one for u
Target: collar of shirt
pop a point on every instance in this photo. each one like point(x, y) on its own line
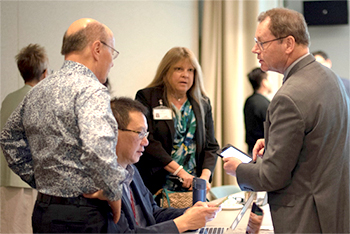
point(292, 65)
point(75, 66)
point(128, 178)
point(129, 175)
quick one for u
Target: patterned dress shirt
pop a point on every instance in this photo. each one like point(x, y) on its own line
point(61, 139)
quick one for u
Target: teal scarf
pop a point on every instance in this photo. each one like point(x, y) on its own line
point(184, 145)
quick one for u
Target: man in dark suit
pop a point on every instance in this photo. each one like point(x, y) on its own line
point(255, 107)
point(305, 153)
point(140, 213)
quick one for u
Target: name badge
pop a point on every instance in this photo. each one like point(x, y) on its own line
point(162, 112)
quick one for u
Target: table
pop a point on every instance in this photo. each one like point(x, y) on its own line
point(225, 218)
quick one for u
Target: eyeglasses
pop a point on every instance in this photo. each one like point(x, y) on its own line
point(115, 52)
point(261, 44)
point(141, 134)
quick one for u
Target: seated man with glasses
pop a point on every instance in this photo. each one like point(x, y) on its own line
point(140, 213)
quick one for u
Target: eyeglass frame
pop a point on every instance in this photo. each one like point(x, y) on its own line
point(114, 56)
point(140, 134)
point(260, 44)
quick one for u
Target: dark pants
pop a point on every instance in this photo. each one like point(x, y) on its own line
point(70, 215)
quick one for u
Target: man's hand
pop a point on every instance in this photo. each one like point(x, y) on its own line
point(201, 204)
point(231, 164)
point(115, 205)
point(196, 217)
point(254, 223)
point(205, 204)
point(258, 149)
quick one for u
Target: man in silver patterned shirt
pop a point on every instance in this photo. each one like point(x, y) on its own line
point(61, 139)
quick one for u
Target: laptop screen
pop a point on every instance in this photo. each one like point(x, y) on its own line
point(242, 211)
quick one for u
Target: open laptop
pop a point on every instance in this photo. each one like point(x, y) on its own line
point(221, 230)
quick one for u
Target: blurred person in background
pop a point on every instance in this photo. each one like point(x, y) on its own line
point(323, 58)
point(255, 107)
point(17, 197)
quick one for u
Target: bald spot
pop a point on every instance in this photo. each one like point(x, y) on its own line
point(79, 25)
point(82, 23)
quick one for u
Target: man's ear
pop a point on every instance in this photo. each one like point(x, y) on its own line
point(263, 83)
point(290, 44)
point(96, 49)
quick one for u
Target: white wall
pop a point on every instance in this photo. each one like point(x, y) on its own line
point(144, 31)
point(333, 39)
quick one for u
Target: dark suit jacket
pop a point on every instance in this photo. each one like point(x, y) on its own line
point(305, 167)
point(161, 137)
point(159, 220)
